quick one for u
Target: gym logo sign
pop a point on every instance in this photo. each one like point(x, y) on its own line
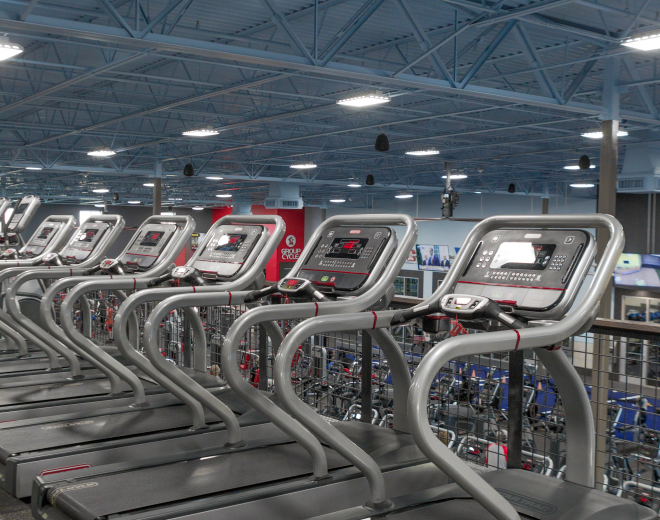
point(531, 504)
point(290, 253)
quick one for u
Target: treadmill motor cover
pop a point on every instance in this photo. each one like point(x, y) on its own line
point(344, 257)
point(147, 245)
point(528, 270)
point(227, 250)
point(84, 242)
point(41, 238)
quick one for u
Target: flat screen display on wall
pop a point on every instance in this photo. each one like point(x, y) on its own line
point(638, 270)
point(433, 257)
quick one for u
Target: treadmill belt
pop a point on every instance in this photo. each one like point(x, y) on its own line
point(104, 495)
point(23, 365)
point(54, 435)
point(458, 509)
point(54, 391)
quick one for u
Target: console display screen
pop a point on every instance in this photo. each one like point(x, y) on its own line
point(45, 232)
point(230, 242)
point(21, 209)
point(346, 248)
point(88, 235)
point(152, 238)
point(523, 255)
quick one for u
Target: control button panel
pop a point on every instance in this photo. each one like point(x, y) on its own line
point(84, 241)
point(344, 257)
point(228, 250)
point(42, 237)
point(530, 269)
point(148, 245)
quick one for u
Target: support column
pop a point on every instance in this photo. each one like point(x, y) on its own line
point(367, 369)
point(609, 158)
point(158, 178)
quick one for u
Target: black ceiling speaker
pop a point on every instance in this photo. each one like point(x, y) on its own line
point(382, 143)
point(115, 197)
point(512, 188)
point(188, 170)
point(584, 163)
point(370, 180)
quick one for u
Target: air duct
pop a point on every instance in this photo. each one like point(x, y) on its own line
point(641, 168)
point(283, 195)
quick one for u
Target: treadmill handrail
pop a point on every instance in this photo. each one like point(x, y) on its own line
point(129, 351)
point(25, 326)
point(388, 267)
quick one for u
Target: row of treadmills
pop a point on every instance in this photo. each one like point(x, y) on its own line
point(96, 431)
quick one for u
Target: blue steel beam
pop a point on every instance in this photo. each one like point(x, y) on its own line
point(488, 51)
point(280, 20)
point(425, 44)
point(546, 84)
point(114, 15)
point(347, 33)
point(159, 18)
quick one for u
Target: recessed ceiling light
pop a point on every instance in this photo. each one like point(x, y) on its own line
point(365, 100)
point(478, 192)
point(201, 132)
point(133, 201)
point(214, 178)
point(599, 135)
point(101, 190)
point(337, 200)
point(103, 152)
point(223, 195)
point(303, 166)
point(198, 208)
point(9, 50)
point(354, 185)
point(456, 176)
point(33, 168)
point(99, 205)
point(576, 167)
point(174, 199)
point(582, 185)
point(148, 184)
point(403, 196)
point(646, 42)
point(423, 153)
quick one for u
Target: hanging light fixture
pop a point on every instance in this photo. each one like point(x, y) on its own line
point(101, 190)
point(643, 42)
point(337, 200)
point(303, 166)
point(133, 201)
point(198, 208)
point(223, 195)
point(201, 132)
point(365, 100)
point(423, 152)
point(403, 196)
point(599, 135)
point(456, 176)
point(582, 185)
point(103, 152)
point(9, 50)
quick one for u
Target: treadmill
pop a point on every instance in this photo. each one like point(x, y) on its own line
point(516, 278)
point(232, 256)
point(149, 254)
point(86, 247)
point(23, 212)
point(362, 258)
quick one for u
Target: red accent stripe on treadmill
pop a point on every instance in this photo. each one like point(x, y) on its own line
point(375, 319)
point(506, 285)
point(518, 339)
point(317, 309)
point(194, 289)
point(62, 470)
point(229, 297)
point(70, 272)
point(134, 283)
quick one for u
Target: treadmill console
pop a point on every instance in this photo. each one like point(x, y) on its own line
point(84, 241)
point(41, 238)
point(344, 257)
point(536, 272)
point(23, 213)
point(147, 245)
point(227, 251)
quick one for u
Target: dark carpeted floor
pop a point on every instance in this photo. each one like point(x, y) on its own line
point(12, 508)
